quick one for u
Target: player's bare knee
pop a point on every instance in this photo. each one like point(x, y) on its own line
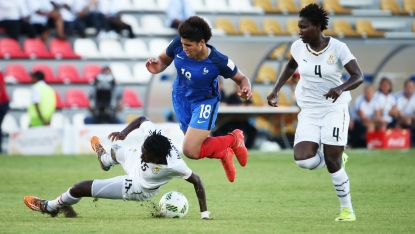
point(190, 153)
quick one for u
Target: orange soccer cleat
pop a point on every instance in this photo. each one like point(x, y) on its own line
point(37, 204)
point(239, 147)
point(227, 163)
point(99, 149)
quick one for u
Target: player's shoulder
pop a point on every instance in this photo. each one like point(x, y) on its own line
point(216, 56)
point(297, 44)
point(174, 47)
point(336, 43)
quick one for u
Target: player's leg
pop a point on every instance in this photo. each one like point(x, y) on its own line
point(334, 138)
point(307, 140)
point(106, 159)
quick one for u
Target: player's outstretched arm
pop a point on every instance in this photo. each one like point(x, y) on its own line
point(114, 136)
point(160, 64)
point(200, 193)
point(244, 85)
point(285, 75)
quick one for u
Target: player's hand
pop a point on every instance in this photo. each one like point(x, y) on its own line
point(245, 93)
point(334, 93)
point(115, 136)
point(272, 98)
point(152, 65)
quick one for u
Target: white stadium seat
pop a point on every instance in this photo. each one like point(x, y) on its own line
point(141, 74)
point(59, 120)
point(163, 4)
point(78, 120)
point(125, 5)
point(9, 124)
point(199, 6)
point(156, 46)
point(133, 22)
point(24, 121)
point(21, 98)
point(136, 48)
point(244, 6)
point(145, 5)
point(219, 6)
point(122, 73)
point(86, 48)
point(153, 25)
point(111, 49)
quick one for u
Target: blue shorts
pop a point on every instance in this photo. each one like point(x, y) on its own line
point(200, 114)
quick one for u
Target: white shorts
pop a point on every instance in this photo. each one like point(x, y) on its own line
point(327, 126)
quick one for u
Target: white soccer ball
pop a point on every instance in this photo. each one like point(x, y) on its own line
point(174, 205)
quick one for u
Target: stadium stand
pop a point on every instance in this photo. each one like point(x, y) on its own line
point(365, 28)
point(148, 5)
point(122, 73)
point(62, 49)
point(86, 48)
point(266, 74)
point(76, 98)
point(219, 6)
point(21, 98)
point(36, 48)
point(9, 124)
point(131, 99)
point(226, 25)
point(392, 6)
point(141, 74)
point(287, 7)
point(249, 27)
point(133, 22)
point(245, 6)
point(17, 73)
point(291, 25)
point(304, 3)
point(156, 46)
point(278, 53)
point(409, 6)
point(153, 25)
point(334, 7)
point(136, 48)
point(10, 48)
point(68, 73)
point(60, 104)
point(267, 6)
point(90, 72)
point(111, 49)
point(48, 72)
point(343, 29)
point(273, 27)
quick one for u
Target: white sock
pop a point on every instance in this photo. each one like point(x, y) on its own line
point(107, 160)
point(65, 199)
point(342, 187)
point(313, 163)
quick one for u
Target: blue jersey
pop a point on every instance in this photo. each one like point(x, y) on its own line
point(197, 80)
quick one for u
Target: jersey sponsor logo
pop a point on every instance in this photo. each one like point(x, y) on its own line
point(304, 60)
point(330, 61)
point(205, 71)
point(200, 121)
point(230, 64)
point(179, 56)
point(155, 170)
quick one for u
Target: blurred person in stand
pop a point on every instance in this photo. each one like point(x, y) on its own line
point(385, 103)
point(88, 14)
point(43, 101)
point(178, 11)
point(111, 9)
point(4, 105)
point(71, 23)
point(14, 18)
point(105, 99)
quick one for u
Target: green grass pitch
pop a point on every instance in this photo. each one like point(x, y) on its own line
point(270, 195)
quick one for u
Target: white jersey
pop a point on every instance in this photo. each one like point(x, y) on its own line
point(318, 74)
point(406, 106)
point(149, 177)
point(385, 103)
point(368, 108)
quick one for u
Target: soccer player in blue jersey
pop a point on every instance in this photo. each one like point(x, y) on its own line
point(196, 95)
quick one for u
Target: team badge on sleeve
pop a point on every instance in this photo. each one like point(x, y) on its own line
point(330, 61)
point(231, 65)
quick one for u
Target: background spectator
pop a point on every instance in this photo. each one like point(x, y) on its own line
point(4, 105)
point(43, 101)
point(14, 17)
point(111, 10)
point(404, 110)
point(67, 10)
point(178, 11)
point(105, 99)
point(385, 101)
point(88, 15)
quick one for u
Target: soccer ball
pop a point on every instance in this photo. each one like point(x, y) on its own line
point(174, 205)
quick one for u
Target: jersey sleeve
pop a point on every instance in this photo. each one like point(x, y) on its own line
point(175, 43)
point(148, 126)
point(181, 170)
point(345, 55)
point(294, 50)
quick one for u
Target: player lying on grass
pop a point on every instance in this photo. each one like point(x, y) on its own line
point(147, 169)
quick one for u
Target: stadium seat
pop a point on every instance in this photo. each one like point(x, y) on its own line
point(47, 71)
point(125, 5)
point(365, 28)
point(273, 27)
point(162, 4)
point(244, 6)
point(76, 98)
point(90, 72)
point(199, 6)
point(257, 99)
point(78, 119)
point(153, 25)
point(287, 7)
point(60, 104)
point(304, 3)
point(226, 25)
point(133, 22)
point(111, 49)
point(409, 6)
point(330, 33)
point(392, 6)
point(278, 53)
point(156, 46)
point(21, 98)
point(344, 29)
point(86, 48)
point(413, 27)
point(131, 99)
point(59, 120)
point(69, 74)
point(249, 27)
point(62, 49)
point(267, 6)
point(141, 74)
point(147, 5)
point(136, 48)
point(122, 73)
point(291, 26)
point(334, 7)
point(266, 74)
point(10, 48)
point(36, 48)
point(17, 73)
point(9, 124)
point(24, 121)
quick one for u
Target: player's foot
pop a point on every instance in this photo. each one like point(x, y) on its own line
point(239, 147)
point(345, 158)
point(99, 149)
point(227, 163)
point(37, 204)
point(346, 215)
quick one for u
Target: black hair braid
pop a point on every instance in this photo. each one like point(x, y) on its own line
point(157, 145)
point(316, 15)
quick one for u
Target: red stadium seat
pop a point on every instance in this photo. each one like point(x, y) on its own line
point(62, 49)
point(131, 98)
point(47, 71)
point(69, 74)
point(35, 48)
point(60, 104)
point(10, 48)
point(18, 73)
point(91, 71)
point(76, 98)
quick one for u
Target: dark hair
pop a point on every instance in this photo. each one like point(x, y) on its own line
point(407, 81)
point(316, 15)
point(38, 75)
point(387, 80)
point(157, 146)
point(195, 29)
